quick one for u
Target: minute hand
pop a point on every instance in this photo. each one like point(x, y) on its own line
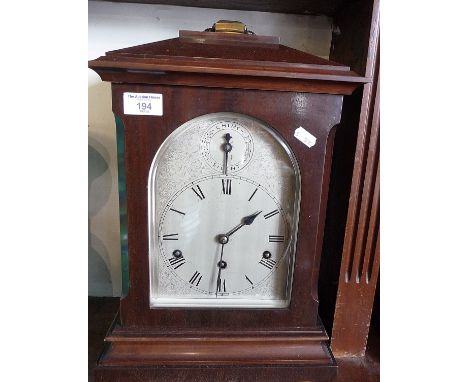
point(248, 220)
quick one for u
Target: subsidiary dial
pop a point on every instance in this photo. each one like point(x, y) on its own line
point(227, 146)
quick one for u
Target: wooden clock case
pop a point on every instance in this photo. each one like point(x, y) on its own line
point(200, 73)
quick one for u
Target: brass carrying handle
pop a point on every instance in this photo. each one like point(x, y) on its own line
point(227, 26)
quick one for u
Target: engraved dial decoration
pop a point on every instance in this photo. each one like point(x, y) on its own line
point(240, 150)
point(192, 251)
point(223, 199)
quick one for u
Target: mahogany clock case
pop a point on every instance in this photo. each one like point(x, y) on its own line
point(220, 338)
point(285, 112)
point(283, 344)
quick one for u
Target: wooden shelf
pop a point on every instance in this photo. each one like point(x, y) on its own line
point(305, 7)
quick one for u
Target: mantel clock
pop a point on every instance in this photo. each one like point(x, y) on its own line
point(228, 140)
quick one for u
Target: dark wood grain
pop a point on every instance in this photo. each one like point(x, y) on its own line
point(359, 268)
point(102, 310)
point(354, 40)
point(229, 81)
point(203, 374)
point(207, 350)
point(149, 342)
point(354, 44)
point(286, 111)
point(360, 265)
point(236, 49)
point(198, 59)
point(316, 7)
point(245, 337)
point(339, 192)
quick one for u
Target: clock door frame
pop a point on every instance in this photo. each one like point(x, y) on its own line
point(286, 111)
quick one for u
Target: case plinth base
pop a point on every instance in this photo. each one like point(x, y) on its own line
point(236, 373)
point(272, 357)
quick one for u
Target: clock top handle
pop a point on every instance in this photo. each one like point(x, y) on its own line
point(228, 26)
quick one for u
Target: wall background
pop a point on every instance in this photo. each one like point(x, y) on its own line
point(119, 25)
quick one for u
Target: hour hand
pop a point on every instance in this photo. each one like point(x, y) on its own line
point(248, 220)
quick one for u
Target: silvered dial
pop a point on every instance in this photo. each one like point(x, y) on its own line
point(223, 197)
point(222, 235)
point(227, 146)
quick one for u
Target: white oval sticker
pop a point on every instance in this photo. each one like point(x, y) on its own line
point(305, 137)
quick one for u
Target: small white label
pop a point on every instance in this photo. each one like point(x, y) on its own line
point(305, 137)
point(143, 104)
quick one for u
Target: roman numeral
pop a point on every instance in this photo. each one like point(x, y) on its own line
point(171, 236)
point(226, 186)
point(251, 196)
point(195, 278)
point(270, 214)
point(221, 285)
point(269, 263)
point(275, 239)
point(177, 262)
point(250, 281)
point(199, 193)
point(179, 212)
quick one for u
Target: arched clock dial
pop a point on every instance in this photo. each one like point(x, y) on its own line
point(227, 215)
point(223, 193)
point(236, 137)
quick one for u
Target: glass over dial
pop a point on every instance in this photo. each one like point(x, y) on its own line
point(223, 205)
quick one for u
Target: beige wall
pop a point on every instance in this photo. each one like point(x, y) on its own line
point(119, 25)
